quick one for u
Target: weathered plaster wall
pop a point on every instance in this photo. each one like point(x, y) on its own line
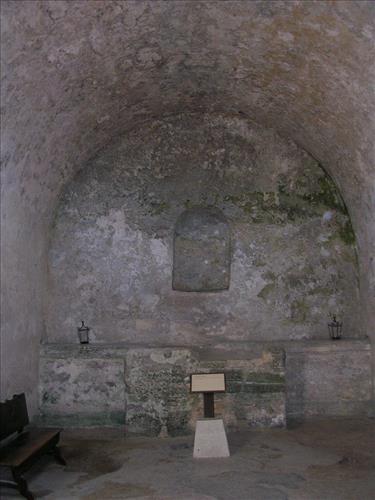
point(156, 399)
point(77, 73)
point(327, 379)
point(147, 390)
point(22, 292)
point(72, 392)
point(111, 257)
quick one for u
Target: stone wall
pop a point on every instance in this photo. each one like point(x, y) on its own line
point(146, 390)
point(83, 389)
point(328, 379)
point(111, 255)
point(78, 74)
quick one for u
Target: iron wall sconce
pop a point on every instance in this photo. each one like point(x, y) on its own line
point(335, 328)
point(83, 333)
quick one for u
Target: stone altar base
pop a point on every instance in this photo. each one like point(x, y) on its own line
point(210, 439)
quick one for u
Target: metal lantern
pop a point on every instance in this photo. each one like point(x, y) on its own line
point(83, 333)
point(335, 328)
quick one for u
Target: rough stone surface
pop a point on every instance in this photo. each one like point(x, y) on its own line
point(320, 378)
point(201, 251)
point(157, 394)
point(328, 379)
point(77, 74)
point(158, 398)
point(332, 460)
point(79, 392)
point(111, 248)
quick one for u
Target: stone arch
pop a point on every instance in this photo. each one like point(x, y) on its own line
point(80, 83)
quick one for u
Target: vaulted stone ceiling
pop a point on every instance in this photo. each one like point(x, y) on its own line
point(78, 73)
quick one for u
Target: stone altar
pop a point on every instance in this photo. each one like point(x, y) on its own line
point(146, 390)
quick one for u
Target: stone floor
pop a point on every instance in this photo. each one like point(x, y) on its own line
point(318, 460)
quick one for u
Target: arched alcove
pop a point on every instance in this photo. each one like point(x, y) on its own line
point(115, 239)
point(158, 203)
point(77, 75)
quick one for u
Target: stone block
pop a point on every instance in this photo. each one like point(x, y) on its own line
point(328, 379)
point(210, 439)
point(201, 261)
point(80, 392)
point(153, 384)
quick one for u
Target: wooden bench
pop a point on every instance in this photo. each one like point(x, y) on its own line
point(21, 448)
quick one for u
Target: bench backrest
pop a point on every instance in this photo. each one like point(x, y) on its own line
point(13, 415)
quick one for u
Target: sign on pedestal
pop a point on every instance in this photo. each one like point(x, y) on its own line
point(210, 438)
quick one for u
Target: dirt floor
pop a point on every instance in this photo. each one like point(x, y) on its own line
point(327, 460)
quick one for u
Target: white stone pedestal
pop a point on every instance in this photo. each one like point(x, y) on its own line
point(210, 439)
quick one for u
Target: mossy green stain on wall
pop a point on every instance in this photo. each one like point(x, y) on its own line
point(266, 291)
point(158, 208)
point(309, 197)
point(280, 222)
point(265, 378)
point(299, 311)
point(263, 388)
point(50, 398)
point(327, 195)
point(85, 419)
point(347, 234)
point(290, 202)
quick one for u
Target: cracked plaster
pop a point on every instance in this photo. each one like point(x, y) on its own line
point(76, 74)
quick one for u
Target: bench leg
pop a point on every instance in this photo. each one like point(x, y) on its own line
point(22, 485)
point(57, 454)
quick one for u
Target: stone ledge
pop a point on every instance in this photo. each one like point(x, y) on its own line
point(221, 351)
point(98, 350)
point(328, 346)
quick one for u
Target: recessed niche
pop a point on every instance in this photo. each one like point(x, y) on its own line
point(202, 255)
